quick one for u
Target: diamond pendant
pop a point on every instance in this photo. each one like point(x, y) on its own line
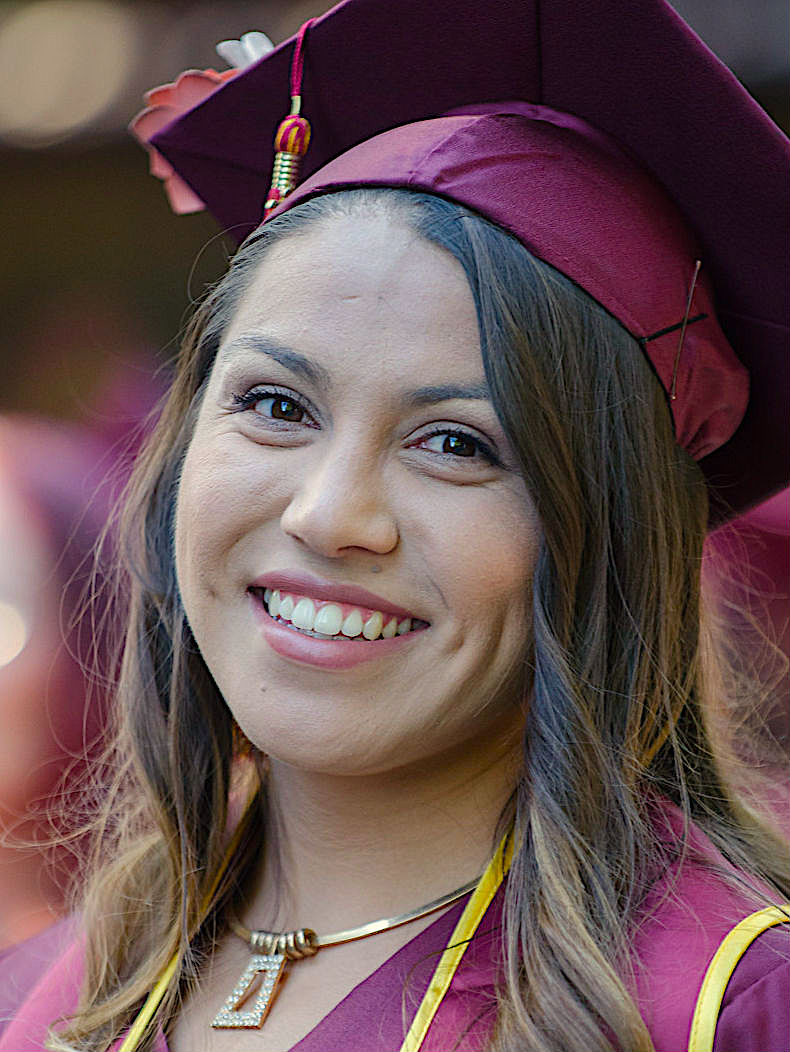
point(232, 1016)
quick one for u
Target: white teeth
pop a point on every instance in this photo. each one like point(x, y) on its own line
point(389, 630)
point(352, 626)
point(304, 614)
point(305, 631)
point(373, 625)
point(328, 620)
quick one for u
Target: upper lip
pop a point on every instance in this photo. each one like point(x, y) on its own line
point(317, 588)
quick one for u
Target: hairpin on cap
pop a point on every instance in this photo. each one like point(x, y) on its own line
point(682, 325)
point(292, 139)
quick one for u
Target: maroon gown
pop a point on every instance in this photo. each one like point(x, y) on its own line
point(671, 952)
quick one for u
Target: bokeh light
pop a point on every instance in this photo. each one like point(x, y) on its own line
point(13, 633)
point(62, 64)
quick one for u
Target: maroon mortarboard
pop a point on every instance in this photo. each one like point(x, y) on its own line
point(603, 134)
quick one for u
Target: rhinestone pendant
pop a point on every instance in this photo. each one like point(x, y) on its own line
point(232, 1016)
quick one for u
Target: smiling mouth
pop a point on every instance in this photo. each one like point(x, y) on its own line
point(333, 621)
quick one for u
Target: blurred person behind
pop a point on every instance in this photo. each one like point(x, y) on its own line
point(56, 492)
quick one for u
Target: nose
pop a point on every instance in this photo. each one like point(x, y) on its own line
point(339, 504)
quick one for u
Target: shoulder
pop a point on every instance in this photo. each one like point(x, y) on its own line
point(754, 1012)
point(686, 924)
point(46, 978)
point(22, 964)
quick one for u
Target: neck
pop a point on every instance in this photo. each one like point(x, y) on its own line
point(346, 850)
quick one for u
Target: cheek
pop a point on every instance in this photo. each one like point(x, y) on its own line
point(207, 511)
point(488, 560)
point(229, 497)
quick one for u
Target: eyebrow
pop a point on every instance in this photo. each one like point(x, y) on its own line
point(445, 392)
point(318, 375)
point(292, 360)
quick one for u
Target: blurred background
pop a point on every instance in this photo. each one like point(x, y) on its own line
point(96, 279)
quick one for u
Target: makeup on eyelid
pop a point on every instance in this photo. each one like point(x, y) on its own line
point(250, 399)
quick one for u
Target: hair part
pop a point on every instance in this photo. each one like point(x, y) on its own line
point(619, 671)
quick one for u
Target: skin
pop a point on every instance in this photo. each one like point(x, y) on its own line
point(423, 742)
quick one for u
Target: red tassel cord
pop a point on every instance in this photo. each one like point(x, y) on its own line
point(293, 135)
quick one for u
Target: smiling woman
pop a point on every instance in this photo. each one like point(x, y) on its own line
point(414, 750)
point(338, 471)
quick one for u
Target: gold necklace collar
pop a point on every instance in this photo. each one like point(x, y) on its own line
point(272, 950)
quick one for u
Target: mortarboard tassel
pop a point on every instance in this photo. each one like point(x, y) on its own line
point(293, 135)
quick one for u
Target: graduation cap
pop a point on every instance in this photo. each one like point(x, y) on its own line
point(602, 133)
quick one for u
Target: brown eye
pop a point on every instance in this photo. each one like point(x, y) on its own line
point(460, 445)
point(455, 445)
point(285, 409)
point(271, 405)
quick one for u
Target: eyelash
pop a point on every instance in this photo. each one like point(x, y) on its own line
point(249, 399)
point(487, 453)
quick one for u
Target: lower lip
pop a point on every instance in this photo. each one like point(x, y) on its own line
point(323, 653)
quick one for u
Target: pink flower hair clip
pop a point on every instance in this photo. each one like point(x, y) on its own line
point(169, 101)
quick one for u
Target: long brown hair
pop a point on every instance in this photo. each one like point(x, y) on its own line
point(616, 714)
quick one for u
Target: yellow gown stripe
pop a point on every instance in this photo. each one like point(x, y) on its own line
point(134, 1035)
point(467, 925)
point(135, 1032)
point(732, 948)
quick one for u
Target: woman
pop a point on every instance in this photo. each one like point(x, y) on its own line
point(415, 557)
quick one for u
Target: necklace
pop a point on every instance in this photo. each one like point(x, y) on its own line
point(272, 951)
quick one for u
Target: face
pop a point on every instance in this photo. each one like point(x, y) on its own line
point(347, 463)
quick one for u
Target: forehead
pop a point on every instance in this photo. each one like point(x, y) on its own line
point(363, 291)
